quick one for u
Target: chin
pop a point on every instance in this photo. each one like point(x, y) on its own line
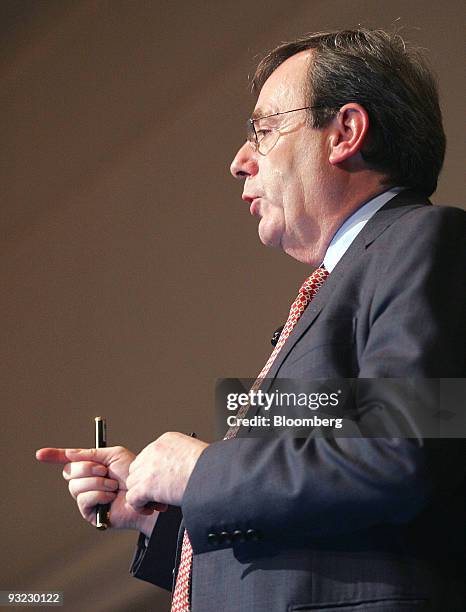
point(269, 236)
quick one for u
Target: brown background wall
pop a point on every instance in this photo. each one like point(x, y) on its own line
point(132, 276)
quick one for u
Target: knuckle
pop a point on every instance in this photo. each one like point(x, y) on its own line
point(98, 483)
point(97, 469)
point(110, 484)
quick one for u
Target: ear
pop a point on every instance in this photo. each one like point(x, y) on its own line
point(349, 131)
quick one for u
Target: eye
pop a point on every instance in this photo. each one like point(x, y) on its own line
point(262, 133)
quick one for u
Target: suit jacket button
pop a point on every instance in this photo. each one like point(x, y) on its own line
point(213, 539)
point(225, 537)
point(253, 535)
point(238, 535)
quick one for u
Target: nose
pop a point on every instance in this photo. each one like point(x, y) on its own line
point(245, 162)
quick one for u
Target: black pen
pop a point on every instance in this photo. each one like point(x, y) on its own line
point(102, 510)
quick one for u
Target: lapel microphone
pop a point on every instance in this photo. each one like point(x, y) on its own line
point(276, 335)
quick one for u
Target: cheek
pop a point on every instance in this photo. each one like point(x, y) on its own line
point(284, 182)
point(295, 194)
point(282, 176)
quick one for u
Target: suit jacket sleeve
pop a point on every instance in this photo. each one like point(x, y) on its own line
point(290, 491)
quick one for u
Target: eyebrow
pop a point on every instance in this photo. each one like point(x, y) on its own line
point(260, 112)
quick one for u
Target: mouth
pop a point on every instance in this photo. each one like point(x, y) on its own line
point(253, 209)
point(253, 204)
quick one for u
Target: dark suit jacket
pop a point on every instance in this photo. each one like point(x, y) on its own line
point(343, 524)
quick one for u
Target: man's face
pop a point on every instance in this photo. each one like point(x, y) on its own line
point(287, 188)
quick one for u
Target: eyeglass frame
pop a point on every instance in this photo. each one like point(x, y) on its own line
point(251, 134)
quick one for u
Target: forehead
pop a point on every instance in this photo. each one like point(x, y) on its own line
point(285, 86)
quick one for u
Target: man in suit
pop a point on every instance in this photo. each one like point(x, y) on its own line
point(344, 147)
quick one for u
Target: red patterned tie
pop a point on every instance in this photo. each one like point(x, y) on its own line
point(180, 601)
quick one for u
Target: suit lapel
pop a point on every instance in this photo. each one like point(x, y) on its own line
point(383, 218)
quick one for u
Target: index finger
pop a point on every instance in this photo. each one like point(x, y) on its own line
point(52, 455)
point(64, 455)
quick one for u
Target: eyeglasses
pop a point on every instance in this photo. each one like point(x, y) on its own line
point(263, 139)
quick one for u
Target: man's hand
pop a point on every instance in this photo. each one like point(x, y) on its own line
point(98, 476)
point(162, 469)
